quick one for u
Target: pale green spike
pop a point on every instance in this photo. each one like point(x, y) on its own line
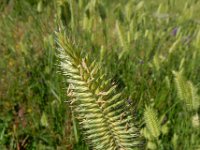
point(151, 121)
point(194, 97)
point(95, 104)
point(187, 92)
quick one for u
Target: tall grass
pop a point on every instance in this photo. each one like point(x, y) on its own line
point(142, 46)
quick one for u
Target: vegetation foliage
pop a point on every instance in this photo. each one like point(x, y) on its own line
point(97, 74)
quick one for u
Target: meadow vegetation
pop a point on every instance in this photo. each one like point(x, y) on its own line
point(149, 49)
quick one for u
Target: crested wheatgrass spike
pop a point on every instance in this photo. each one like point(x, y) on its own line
point(96, 103)
point(187, 92)
point(152, 122)
point(181, 85)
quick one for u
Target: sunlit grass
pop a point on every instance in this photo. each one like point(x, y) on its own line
point(138, 43)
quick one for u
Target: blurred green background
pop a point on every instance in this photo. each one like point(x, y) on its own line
point(139, 43)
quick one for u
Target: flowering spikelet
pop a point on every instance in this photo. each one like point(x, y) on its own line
point(151, 121)
point(187, 92)
point(96, 103)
